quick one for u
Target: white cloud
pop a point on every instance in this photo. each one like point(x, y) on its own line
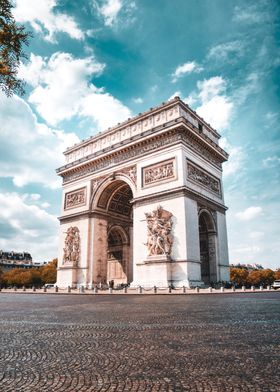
point(30, 151)
point(43, 18)
point(256, 235)
point(227, 51)
point(271, 161)
point(249, 213)
point(216, 107)
point(176, 94)
point(190, 100)
point(138, 100)
point(250, 85)
point(255, 13)
point(236, 157)
point(209, 88)
point(248, 250)
point(27, 228)
point(111, 10)
point(62, 90)
point(185, 68)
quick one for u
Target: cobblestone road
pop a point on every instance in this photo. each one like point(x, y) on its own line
point(140, 343)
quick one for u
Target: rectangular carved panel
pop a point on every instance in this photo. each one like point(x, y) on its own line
point(202, 177)
point(75, 198)
point(159, 172)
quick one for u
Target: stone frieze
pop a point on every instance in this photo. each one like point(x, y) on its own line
point(158, 172)
point(201, 177)
point(75, 199)
point(139, 150)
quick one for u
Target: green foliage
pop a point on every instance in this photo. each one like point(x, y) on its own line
point(12, 38)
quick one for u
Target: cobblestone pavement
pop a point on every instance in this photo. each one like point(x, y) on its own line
point(140, 343)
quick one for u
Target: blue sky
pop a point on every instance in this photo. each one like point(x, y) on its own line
point(94, 63)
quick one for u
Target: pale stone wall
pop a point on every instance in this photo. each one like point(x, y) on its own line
point(222, 247)
point(182, 194)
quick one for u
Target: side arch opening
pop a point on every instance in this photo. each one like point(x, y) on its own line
point(208, 247)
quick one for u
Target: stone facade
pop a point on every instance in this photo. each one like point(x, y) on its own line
point(146, 201)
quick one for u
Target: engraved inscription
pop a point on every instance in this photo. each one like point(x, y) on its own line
point(159, 172)
point(75, 198)
point(203, 178)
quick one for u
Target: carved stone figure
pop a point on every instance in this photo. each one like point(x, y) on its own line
point(159, 172)
point(160, 239)
point(76, 198)
point(131, 172)
point(72, 246)
point(198, 175)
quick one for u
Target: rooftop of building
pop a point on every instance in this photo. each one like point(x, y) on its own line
point(15, 256)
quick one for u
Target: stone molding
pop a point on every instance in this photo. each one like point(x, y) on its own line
point(159, 172)
point(143, 122)
point(75, 198)
point(177, 134)
point(179, 192)
point(203, 178)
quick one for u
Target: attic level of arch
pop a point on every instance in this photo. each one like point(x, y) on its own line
point(177, 133)
point(165, 110)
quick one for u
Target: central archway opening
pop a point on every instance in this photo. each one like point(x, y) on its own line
point(115, 232)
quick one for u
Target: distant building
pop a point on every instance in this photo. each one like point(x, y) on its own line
point(9, 260)
point(247, 266)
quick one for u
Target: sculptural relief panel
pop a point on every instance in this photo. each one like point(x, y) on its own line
point(75, 198)
point(71, 250)
point(159, 172)
point(201, 177)
point(159, 236)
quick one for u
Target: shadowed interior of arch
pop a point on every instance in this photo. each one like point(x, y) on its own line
point(116, 251)
point(207, 243)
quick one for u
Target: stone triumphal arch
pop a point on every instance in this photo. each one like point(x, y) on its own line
point(143, 203)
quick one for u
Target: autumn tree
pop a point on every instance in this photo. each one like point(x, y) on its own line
point(277, 274)
point(254, 278)
point(12, 39)
point(239, 276)
point(48, 272)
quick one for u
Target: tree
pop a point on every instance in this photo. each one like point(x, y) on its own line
point(48, 272)
point(239, 276)
point(12, 38)
point(277, 274)
point(255, 278)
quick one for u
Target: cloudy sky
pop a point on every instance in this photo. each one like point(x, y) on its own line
point(93, 63)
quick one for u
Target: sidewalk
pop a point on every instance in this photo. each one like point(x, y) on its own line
point(138, 291)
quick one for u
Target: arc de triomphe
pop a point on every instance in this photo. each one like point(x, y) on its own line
point(143, 203)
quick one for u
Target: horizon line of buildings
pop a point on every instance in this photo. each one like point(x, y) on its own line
point(11, 259)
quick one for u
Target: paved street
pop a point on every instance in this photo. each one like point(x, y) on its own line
point(140, 343)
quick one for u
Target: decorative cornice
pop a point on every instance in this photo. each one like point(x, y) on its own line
point(177, 192)
point(149, 119)
point(180, 132)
